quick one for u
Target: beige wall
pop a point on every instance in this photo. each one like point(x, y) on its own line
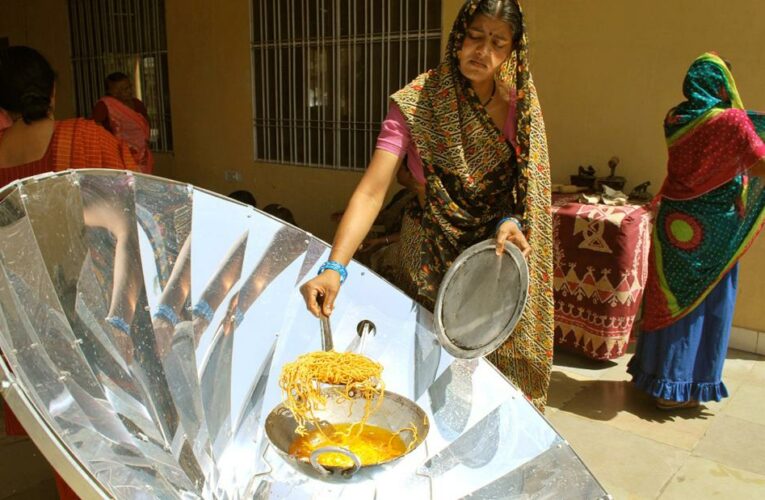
point(23, 23)
point(606, 71)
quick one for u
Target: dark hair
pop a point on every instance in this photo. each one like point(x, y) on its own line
point(26, 83)
point(505, 10)
point(244, 196)
point(113, 78)
point(281, 212)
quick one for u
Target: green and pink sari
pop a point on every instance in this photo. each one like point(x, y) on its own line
point(709, 210)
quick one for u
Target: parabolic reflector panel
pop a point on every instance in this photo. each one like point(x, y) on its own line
point(144, 323)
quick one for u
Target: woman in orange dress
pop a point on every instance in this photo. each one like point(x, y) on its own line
point(35, 143)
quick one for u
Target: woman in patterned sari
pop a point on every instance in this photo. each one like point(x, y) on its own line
point(472, 132)
point(711, 209)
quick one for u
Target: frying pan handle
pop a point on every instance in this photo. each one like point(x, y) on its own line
point(314, 459)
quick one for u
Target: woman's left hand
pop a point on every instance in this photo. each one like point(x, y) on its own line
point(509, 231)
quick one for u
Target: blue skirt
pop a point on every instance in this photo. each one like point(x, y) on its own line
point(684, 361)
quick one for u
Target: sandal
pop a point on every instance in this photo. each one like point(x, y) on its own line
point(668, 404)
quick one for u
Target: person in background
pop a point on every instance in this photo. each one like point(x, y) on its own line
point(710, 208)
point(125, 116)
point(245, 197)
point(35, 143)
point(280, 212)
point(474, 137)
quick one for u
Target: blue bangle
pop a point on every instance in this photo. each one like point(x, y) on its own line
point(166, 312)
point(119, 324)
point(337, 267)
point(203, 310)
point(505, 219)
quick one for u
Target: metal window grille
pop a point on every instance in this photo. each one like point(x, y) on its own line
point(127, 36)
point(323, 71)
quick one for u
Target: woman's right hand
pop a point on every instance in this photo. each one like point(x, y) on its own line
point(325, 287)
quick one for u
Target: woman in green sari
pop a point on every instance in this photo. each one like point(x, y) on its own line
point(473, 134)
point(711, 207)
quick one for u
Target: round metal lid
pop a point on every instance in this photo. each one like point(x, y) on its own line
point(481, 299)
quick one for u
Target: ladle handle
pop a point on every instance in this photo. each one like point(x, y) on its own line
point(314, 459)
point(326, 331)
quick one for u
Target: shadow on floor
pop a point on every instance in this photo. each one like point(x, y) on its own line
point(604, 399)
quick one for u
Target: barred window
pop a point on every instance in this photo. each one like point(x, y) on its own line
point(126, 36)
point(323, 71)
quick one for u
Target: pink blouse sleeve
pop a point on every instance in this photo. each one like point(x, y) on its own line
point(509, 128)
point(394, 134)
point(396, 138)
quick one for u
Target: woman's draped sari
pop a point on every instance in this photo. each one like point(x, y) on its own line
point(474, 177)
point(709, 210)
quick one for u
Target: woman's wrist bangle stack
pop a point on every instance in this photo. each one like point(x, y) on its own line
point(119, 323)
point(337, 267)
point(166, 312)
point(203, 310)
point(515, 221)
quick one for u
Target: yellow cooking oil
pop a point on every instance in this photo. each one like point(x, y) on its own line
point(371, 444)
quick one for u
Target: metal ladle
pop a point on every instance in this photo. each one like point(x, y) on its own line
point(326, 330)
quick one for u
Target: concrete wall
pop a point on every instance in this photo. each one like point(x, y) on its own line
point(606, 71)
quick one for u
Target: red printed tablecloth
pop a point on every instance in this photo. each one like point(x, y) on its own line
point(601, 264)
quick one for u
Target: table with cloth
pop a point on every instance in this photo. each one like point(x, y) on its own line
point(600, 266)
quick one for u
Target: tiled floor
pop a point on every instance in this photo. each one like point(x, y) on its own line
point(636, 451)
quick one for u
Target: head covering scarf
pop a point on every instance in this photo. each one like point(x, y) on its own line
point(710, 211)
point(475, 177)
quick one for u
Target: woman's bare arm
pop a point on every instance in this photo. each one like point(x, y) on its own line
point(363, 208)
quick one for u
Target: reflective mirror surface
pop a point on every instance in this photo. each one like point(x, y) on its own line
point(145, 323)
